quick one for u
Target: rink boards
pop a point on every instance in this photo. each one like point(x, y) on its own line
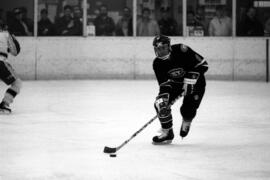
point(131, 58)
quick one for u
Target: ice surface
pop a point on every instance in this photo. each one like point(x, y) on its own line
point(58, 130)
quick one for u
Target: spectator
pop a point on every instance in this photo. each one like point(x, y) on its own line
point(103, 23)
point(28, 21)
point(124, 25)
point(250, 25)
point(65, 25)
point(200, 17)
point(17, 26)
point(167, 25)
point(77, 12)
point(147, 26)
point(194, 26)
point(267, 27)
point(45, 26)
point(191, 19)
point(221, 24)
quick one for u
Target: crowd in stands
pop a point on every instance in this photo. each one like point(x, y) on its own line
point(19, 23)
point(70, 23)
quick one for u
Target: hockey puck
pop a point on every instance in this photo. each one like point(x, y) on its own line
point(112, 155)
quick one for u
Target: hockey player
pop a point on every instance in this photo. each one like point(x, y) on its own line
point(180, 72)
point(8, 44)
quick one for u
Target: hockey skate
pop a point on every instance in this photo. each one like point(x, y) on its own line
point(184, 128)
point(165, 137)
point(4, 108)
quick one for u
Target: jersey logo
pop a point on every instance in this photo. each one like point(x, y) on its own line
point(176, 73)
point(183, 48)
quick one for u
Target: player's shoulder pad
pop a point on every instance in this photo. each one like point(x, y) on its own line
point(184, 48)
point(180, 47)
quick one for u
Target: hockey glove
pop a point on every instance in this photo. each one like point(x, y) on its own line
point(161, 104)
point(189, 82)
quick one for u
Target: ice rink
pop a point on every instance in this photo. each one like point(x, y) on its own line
point(58, 130)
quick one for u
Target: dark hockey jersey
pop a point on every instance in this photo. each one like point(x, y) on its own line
point(182, 60)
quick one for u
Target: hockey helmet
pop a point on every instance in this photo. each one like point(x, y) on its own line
point(161, 40)
point(162, 46)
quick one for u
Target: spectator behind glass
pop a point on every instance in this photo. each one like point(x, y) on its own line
point(191, 19)
point(124, 25)
point(250, 25)
point(28, 21)
point(66, 25)
point(221, 24)
point(167, 25)
point(195, 27)
point(77, 13)
point(200, 17)
point(16, 24)
point(45, 26)
point(103, 23)
point(147, 26)
point(267, 27)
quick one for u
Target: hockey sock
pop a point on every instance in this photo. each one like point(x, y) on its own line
point(166, 121)
point(12, 91)
point(9, 96)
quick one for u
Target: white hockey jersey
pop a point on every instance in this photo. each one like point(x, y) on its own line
point(8, 44)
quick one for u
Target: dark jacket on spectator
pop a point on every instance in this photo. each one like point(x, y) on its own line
point(168, 27)
point(250, 27)
point(78, 30)
point(17, 28)
point(104, 26)
point(45, 28)
point(120, 26)
point(67, 27)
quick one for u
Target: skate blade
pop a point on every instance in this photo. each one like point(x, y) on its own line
point(162, 143)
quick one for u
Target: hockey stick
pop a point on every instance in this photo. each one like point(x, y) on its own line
point(114, 149)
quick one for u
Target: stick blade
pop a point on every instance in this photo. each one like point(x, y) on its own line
point(109, 150)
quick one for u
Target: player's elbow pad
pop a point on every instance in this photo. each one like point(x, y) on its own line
point(202, 68)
